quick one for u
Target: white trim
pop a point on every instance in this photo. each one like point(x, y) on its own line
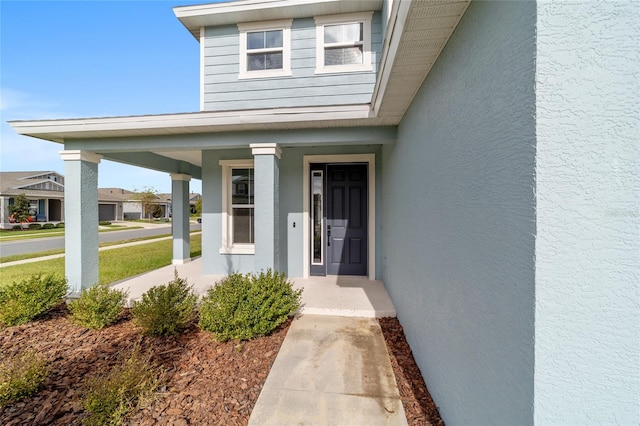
point(266, 149)
point(321, 21)
point(370, 159)
point(202, 52)
point(180, 176)
point(227, 217)
point(245, 27)
point(78, 155)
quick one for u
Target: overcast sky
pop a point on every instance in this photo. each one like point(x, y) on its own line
point(92, 59)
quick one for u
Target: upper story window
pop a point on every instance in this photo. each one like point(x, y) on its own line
point(265, 49)
point(343, 43)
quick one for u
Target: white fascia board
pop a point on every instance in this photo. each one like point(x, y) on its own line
point(231, 13)
point(70, 128)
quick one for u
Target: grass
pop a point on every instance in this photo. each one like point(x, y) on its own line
point(115, 264)
point(28, 234)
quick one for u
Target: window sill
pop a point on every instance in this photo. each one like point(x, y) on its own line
point(264, 74)
point(245, 249)
point(344, 69)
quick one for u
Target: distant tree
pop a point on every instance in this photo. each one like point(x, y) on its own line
point(156, 211)
point(20, 209)
point(199, 206)
point(148, 197)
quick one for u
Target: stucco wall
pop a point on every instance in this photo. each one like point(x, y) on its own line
point(588, 189)
point(459, 219)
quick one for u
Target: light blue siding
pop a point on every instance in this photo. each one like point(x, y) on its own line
point(459, 219)
point(224, 91)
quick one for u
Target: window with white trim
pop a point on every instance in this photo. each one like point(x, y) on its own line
point(343, 43)
point(238, 211)
point(265, 49)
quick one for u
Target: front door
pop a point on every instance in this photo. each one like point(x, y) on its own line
point(339, 237)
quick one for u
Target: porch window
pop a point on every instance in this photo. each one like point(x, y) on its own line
point(343, 43)
point(265, 49)
point(238, 220)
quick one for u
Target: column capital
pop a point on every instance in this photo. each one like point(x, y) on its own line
point(266, 149)
point(79, 155)
point(180, 176)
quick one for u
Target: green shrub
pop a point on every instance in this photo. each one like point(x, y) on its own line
point(60, 225)
point(35, 226)
point(98, 306)
point(108, 396)
point(48, 226)
point(166, 309)
point(104, 223)
point(20, 376)
point(242, 307)
point(16, 227)
point(22, 301)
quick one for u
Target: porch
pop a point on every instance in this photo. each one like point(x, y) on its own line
point(330, 295)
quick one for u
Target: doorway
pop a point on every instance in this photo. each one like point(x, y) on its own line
point(339, 219)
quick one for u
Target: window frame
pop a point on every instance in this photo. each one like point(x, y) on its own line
point(248, 27)
point(350, 18)
point(228, 246)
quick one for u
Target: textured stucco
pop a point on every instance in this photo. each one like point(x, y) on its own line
point(587, 339)
point(267, 203)
point(81, 226)
point(459, 219)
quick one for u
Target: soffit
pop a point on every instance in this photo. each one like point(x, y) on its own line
point(231, 13)
point(409, 55)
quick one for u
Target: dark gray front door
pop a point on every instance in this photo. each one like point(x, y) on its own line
point(346, 230)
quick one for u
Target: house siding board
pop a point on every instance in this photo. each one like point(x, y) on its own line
point(587, 340)
point(459, 219)
point(224, 91)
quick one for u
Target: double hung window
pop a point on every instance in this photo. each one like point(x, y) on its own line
point(343, 43)
point(265, 49)
point(238, 206)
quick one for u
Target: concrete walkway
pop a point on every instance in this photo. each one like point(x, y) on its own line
point(330, 371)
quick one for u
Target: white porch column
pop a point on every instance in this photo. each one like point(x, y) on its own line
point(266, 202)
point(81, 221)
point(180, 218)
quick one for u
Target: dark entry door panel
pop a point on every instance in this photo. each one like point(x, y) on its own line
point(347, 219)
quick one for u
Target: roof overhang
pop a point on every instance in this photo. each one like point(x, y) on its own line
point(61, 130)
point(233, 12)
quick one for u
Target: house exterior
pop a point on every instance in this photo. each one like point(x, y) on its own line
point(43, 189)
point(481, 158)
point(122, 204)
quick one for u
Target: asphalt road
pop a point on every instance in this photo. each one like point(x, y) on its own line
point(10, 248)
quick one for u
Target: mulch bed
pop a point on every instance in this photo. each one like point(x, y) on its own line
point(207, 383)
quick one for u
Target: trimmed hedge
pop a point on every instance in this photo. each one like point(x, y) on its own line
point(22, 301)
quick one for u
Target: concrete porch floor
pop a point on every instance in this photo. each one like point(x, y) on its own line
point(332, 295)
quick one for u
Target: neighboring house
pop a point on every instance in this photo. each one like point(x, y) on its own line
point(479, 157)
point(43, 189)
point(125, 205)
point(193, 200)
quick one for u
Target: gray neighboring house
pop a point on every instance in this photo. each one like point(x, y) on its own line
point(126, 206)
point(43, 189)
point(481, 158)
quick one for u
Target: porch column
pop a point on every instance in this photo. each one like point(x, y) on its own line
point(266, 202)
point(180, 218)
point(81, 220)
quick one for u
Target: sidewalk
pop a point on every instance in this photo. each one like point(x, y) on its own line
point(330, 371)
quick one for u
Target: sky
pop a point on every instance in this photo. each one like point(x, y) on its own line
point(66, 59)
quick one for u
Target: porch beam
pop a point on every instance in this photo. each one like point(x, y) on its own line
point(180, 218)
point(266, 205)
point(150, 160)
point(81, 221)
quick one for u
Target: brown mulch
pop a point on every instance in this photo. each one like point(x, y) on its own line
point(418, 404)
point(206, 382)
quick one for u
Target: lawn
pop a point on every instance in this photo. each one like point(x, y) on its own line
point(26, 234)
point(115, 264)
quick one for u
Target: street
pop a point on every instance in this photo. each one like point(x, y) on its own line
point(10, 248)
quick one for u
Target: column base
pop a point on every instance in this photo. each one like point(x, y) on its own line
point(180, 261)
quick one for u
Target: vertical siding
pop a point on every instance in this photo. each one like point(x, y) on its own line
point(588, 221)
point(459, 219)
point(224, 91)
